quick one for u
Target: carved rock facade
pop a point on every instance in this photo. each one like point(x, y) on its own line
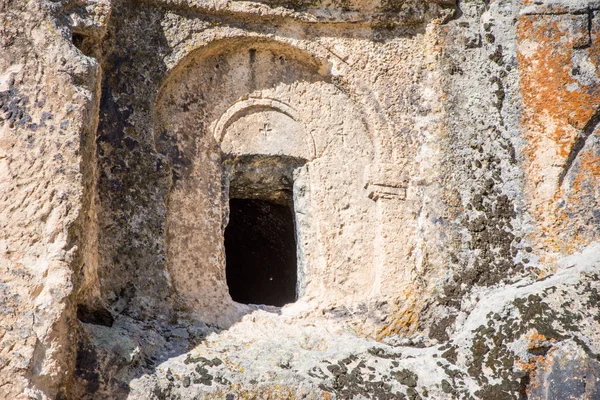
point(439, 158)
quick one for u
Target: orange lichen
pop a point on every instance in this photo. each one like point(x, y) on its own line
point(586, 180)
point(537, 363)
point(590, 164)
point(556, 108)
point(537, 340)
point(404, 321)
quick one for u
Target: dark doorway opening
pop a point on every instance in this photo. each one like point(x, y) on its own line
point(260, 251)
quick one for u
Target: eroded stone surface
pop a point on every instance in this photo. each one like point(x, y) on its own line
point(440, 158)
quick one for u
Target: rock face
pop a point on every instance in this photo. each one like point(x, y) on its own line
point(440, 161)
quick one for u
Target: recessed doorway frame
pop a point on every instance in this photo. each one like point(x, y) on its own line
point(299, 197)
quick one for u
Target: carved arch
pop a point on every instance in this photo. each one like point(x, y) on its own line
point(200, 102)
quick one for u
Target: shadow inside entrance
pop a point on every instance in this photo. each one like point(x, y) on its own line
point(260, 251)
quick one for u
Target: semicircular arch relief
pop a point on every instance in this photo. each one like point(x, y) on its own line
point(311, 53)
point(266, 99)
point(264, 125)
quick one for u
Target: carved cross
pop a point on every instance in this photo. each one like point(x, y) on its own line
point(341, 133)
point(265, 129)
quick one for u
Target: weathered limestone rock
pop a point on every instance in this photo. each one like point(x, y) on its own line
point(440, 160)
point(49, 95)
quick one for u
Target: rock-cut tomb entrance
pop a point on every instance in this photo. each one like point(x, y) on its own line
point(267, 202)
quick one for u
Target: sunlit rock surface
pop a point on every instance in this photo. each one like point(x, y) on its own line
point(440, 160)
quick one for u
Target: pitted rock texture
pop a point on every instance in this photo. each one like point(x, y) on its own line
point(440, 159)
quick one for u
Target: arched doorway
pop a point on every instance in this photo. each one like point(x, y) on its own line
point(258, 140)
